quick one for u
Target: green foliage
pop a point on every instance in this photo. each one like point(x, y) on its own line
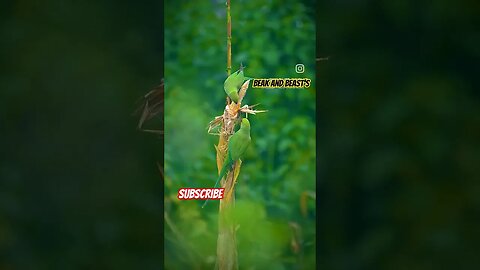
point(269, 38)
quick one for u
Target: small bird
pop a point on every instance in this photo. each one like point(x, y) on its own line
point(237, 145)
point(233, 83)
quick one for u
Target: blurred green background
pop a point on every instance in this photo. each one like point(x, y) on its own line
point(79, 185)
point(398, 135)
point(277, 227)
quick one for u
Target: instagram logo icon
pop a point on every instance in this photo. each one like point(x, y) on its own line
point(299, 68)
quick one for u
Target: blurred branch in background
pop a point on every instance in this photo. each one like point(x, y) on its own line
point(153, 104)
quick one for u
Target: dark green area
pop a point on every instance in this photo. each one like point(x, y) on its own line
point(270, 38)
point(79, 185)
point(399, 129)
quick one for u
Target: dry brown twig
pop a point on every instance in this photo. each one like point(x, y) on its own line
point(152, 106)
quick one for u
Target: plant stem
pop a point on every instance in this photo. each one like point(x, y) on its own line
point(226, 241)
point(229, 39)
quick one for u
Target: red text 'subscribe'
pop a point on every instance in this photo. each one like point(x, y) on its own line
point(200, 193)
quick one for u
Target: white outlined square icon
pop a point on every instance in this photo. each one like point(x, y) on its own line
point(299, 68)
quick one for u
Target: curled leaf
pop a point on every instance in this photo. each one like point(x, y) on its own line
point(243, 91)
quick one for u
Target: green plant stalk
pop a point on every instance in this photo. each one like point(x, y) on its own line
point(229, 40)
point(226, 240)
